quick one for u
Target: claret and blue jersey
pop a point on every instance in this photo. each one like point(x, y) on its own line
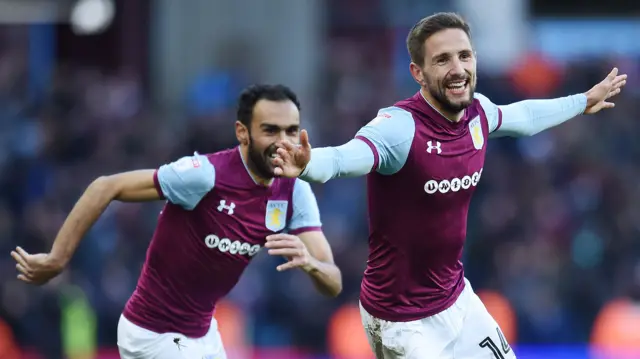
point(422, 170)
point(419, 192)
point(215, 221)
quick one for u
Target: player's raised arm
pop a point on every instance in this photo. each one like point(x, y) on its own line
point(382, 145)
point(183, 182)
point(529, 117)
point(305, 246)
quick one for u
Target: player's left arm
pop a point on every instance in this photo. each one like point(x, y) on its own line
point(529, 117)
point(305, 246)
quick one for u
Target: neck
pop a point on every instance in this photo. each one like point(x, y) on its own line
point(453, 117)
point(250, 167)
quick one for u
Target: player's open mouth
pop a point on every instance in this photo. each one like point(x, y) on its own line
point(271, 153)
point(457, 87)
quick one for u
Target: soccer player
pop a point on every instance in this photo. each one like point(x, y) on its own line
point(221, 209)
point(423, 158)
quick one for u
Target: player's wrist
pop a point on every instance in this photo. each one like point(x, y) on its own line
point(56, 262)
point(304, 170)
point(590, 98)
point(311, 266)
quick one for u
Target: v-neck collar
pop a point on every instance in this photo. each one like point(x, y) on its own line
point(436, 116)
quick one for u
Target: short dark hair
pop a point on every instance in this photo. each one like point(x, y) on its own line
point(429, 26)
point(254, 93)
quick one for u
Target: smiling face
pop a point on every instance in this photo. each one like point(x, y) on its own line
point(443, 62)
point(272, 121)
point(449, 70)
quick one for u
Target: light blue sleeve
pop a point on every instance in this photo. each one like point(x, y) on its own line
point(529, 117)
point(306, 215)
point(391, 133)
point(491, 110)
point(381, 145)
point(186, 181)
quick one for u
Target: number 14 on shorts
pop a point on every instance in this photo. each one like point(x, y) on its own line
point(499, 351)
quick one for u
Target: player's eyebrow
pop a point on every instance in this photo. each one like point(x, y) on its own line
point(269, 126)
point(444, 55)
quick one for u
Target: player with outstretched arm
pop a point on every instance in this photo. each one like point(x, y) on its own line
point(423, 158)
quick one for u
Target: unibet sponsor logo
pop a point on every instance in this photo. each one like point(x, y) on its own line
point(225, 245)
point(452, 185)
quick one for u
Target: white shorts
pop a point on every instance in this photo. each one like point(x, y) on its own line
point(135, 342)
point(466, 330)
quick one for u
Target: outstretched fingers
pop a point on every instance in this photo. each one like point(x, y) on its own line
point(619, 81)
point(613, 93)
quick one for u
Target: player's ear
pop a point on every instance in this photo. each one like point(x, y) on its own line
point(417, 74)
point(242, 133)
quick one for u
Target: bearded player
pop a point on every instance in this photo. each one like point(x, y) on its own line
point(221, 209)
point(423, 158)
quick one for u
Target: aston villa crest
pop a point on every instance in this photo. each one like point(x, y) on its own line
point(475, 129)
point(275, 218)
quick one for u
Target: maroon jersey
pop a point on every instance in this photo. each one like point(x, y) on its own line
point(426, 171)
point(215, 221)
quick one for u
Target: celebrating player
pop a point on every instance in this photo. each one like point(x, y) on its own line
point(221, 209)
point(423, 158)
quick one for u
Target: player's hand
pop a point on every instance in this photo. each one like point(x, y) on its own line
point(599, 94)
point(292, 159)
point(35, 269)
point(292, 248)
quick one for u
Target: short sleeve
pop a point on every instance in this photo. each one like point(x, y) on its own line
point(186, 181)
point(306, 215)
point(492, 111)
point(390, 136)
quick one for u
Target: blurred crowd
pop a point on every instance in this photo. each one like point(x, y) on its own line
point(553, 226)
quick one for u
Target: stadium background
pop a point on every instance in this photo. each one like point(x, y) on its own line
point(554, 232)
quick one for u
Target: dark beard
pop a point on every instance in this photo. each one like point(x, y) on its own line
point(440, 95)
point(259, 162)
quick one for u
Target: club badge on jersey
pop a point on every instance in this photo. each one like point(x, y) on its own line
point(275, 218)
point(475, 128)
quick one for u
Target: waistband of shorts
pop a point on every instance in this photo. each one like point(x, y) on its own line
point(402, 313)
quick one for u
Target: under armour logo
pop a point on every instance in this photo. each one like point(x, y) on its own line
point(437, 147)
point(229, 208)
